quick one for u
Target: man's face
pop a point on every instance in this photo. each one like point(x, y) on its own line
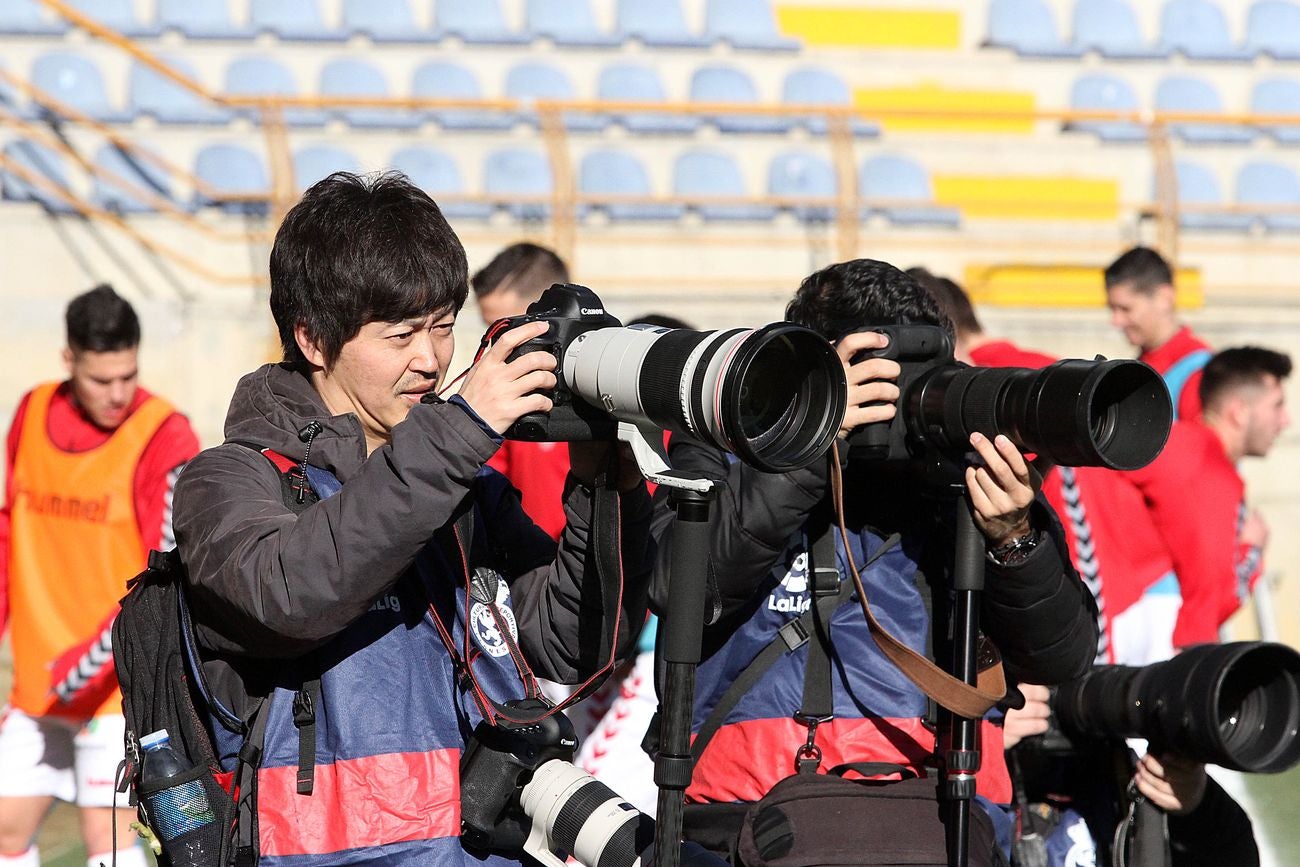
point(1266, 417)
point(103, 384)
point(1147, 319)
point(500, 304)
point(385, 370)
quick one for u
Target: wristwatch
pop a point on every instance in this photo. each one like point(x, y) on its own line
point(1014, 552)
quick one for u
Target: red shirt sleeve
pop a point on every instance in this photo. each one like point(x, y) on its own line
point(155, 477)
point(11, 455)
point(1195, 496)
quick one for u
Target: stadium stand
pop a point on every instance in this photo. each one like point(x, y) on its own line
point(888, 184)
point(438, 175)
point(29, 18)
point(814, 86)
point(1110, 28)
point(1199, 188)
point(151, 94)
point(76, 81)
point(618, 176)
point(1273, 28)
point(207, 20)
point(314, 162)
point(800, 176)
point(478, 22)
point(1028, 28)
point(1105, 92)
point(745, 24)
point(1270, 185)
point(629, 82)
point(718, 83)
point(258, 75)
point(568, 23)
point(138, 173)
point(656, 24)
point(1278, 96)
point(521, 178)
point(441, 79)
point(532, 81)
point(384, 21)
point(231, 170)
point(712, 185)
point(39, 160)
point(350, 76)
point(1199, 30)
point(293, 20)
point(1186, 93)
point(117, 14)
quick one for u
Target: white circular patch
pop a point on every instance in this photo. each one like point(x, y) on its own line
point(485, 631)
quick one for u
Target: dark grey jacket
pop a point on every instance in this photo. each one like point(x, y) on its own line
point(266, 583)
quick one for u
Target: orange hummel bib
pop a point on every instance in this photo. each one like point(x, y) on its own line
point(74, 541)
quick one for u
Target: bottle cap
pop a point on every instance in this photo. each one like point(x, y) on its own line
point(153, 740)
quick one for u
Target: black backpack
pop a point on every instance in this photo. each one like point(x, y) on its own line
point(162, 685)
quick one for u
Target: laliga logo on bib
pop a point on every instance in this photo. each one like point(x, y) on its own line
point(790, 597)
point(796, 580)
point(483, 626)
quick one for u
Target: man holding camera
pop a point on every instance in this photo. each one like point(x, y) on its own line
point(1033, 607)
point(349, 555)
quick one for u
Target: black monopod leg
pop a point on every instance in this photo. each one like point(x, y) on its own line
point(963, 759)
point(680, 640)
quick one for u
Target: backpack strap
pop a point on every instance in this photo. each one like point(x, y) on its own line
point(1176, 377)
point(790, 637)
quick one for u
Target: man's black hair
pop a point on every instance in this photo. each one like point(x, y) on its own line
point(952, 300)
point(1247, 366)
point(528, 269)
point(101, 321)
point(1143, 268)
point(861, 293)
point(361, 249)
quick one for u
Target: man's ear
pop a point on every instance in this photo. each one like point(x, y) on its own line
point(308, 346)
point(69, 358)
point(1168, 296)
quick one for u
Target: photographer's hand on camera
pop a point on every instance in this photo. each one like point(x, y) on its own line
point(1001, 490)
point(500, 391)
point(1174, 784)
point(872, 391)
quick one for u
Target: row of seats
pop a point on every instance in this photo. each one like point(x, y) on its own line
point(1185, 93)
point(1196, 29)
point(520, 178)
point(75, 80)
point(1258, 184)
point(747, 24)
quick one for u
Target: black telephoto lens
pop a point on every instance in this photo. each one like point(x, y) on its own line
point(1235, 705)
point(1113, 414)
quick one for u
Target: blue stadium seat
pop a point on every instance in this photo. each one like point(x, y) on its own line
point(348, 76)
point(124, 198)
point(627, 82)
point(151, 93)
point(256, 75)
point(1110, 27)
point(475, 21)
point(233, 170)
point(441, 79)
point(657, 24)
point(617, 173)
point(746, 24)
point(1270, 184)
point(814, 86)
point(209, 19)
point(567, 22)
point(314, 162)
point(1185, 93)
point(29, 18)
point(799, 175)
point(531, 81)
point(1027, 28)
point(38, 160)
point(1102, 92)
point(436, 173)
point(384, 21)
point(75, 80)
point(701, 174)
point(1198, 29)
point(1198, 186)
point(9, 98)
point(888, 183)
point(728, 84)
point(1273, 27)
point(293, 20)
point(1278, 96)
point(116, 15)
point(512, 172)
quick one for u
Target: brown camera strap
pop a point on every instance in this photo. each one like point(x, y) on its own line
point(947, 691)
